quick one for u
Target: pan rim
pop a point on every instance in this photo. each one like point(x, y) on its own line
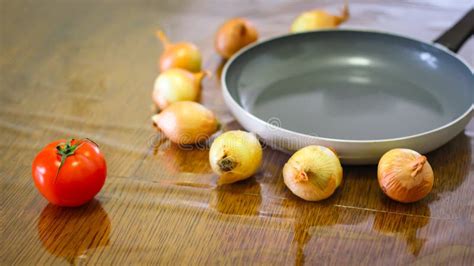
point(231, 100)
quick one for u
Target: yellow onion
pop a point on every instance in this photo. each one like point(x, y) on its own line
point(405, 175)
point(318, 19)
point(175, 85)
point(313, 173)
point(233, 35)
point(179, 55)
point(186, 122)
point(235, 155)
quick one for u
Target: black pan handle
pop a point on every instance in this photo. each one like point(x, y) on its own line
point(455, 37)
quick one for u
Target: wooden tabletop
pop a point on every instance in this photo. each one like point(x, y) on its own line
point(86, 69)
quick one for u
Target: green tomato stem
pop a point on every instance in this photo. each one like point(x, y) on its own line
point(68, 149)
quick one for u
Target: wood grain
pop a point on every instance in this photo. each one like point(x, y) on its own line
point(86, 68)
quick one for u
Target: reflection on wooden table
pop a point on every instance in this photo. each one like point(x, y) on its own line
point(71, 232)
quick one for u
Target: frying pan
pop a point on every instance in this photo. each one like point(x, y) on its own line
point(359, 92)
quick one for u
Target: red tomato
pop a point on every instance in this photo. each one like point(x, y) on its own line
point(69, 173)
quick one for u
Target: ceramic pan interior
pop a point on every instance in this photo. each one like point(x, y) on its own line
point(350, 85)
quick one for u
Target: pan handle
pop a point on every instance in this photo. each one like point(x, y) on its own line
point(455, 37)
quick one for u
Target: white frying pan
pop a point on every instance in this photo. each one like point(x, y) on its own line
point(361, 93)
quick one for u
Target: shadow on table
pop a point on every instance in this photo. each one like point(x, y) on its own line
point(243, 198)
point(451, 164)
point(404, 226)
point(315, 219)
point(219, 69)
point(308, 218)
point(69, 232)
